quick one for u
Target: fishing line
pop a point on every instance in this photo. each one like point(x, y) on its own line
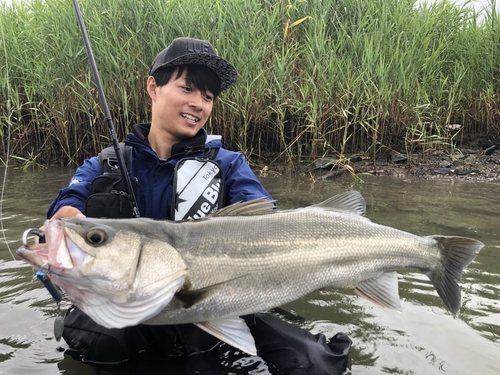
point(6, 162)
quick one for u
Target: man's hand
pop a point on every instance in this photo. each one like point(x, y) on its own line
point(67, 211)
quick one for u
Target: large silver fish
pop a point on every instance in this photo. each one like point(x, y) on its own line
point(246, 258)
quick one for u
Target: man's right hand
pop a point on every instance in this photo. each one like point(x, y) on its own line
point(67, 211)
point(64, 211)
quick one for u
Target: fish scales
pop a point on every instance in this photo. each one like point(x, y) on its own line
point(321, 249)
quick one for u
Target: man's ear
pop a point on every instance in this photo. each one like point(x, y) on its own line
point(151, 88)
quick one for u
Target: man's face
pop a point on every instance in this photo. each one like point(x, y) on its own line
point(179, 109)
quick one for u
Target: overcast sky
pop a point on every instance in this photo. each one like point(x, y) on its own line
point(477, 4)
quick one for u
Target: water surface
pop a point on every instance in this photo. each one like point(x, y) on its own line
point(423, 339)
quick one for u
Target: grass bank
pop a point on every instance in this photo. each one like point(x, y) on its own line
point(316, 77)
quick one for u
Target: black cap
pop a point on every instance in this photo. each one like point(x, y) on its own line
point(184, 51)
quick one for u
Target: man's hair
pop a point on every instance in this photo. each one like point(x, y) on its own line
point(202, 77)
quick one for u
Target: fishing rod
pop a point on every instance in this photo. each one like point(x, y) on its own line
point(107, 113)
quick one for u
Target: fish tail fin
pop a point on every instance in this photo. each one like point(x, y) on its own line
point(456, 254)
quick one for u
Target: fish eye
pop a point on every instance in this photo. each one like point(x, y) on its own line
point(96, 236)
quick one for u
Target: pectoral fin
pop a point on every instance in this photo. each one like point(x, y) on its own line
point(381, 290)
point(191, 297)
point(234, 332)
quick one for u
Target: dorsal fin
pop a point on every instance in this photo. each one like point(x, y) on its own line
point(259, 206)
point(351, 201)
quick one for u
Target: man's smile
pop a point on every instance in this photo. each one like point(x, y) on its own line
point(190, 117)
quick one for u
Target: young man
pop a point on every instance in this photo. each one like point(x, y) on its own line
point(183, 83)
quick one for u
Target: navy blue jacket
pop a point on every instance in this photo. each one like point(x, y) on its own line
point(155, 175)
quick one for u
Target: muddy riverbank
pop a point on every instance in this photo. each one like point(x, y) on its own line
point(471, 163)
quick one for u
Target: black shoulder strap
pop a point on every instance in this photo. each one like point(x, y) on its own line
point(211, 153)
point(109, 163)
point(108, 160)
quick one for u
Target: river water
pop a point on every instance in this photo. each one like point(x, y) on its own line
point(423, 339)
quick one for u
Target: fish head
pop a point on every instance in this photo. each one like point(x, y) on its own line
point(114, 270)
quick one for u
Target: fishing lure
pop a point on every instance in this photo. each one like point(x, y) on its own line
point(54, 291)
point(43, 275)
point(56, 294)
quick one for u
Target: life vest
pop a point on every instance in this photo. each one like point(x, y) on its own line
point(198, 187)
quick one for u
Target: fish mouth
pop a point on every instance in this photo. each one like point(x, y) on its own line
point(36, 232)
point(39, 252)
point(48, 253)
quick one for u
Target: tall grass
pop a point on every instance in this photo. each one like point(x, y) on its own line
point(316, 78)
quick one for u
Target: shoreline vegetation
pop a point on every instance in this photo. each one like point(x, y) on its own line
point(318, 79)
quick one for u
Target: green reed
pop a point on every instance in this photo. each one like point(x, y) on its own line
point(316, 78)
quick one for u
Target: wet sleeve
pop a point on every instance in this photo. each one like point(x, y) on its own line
point(76, 193)
point(241, 183)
